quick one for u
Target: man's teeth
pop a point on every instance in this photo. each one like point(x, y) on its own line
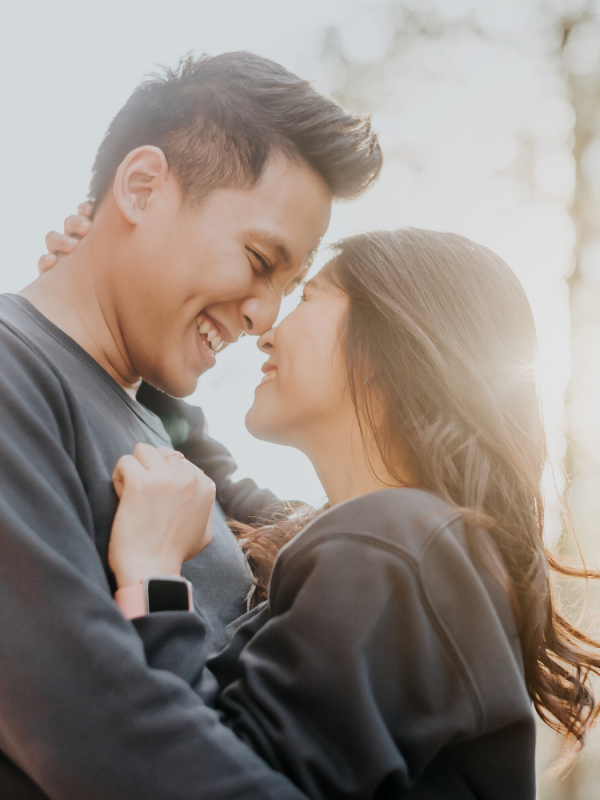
point(269, 376)
point(205, 327)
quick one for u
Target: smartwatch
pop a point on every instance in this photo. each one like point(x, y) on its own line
point(156, 593)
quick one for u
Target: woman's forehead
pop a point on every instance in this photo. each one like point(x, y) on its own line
point(320, 280)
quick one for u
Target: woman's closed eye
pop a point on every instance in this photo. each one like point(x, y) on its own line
point(303, 297)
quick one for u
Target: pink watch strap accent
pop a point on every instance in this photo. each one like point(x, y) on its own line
point(132, 600)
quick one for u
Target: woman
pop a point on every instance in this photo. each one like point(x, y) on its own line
point(409, 627)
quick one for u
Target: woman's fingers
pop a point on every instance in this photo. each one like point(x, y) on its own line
point(150, 457)
point(163, 514)
point(60, 243)
point(166, 452)
point(56, 243)
point(46, 262)
point(177, 461)
point(168, 468)
point(86, 209)
point(184, 469)
point(77, 225)
point(127, 471)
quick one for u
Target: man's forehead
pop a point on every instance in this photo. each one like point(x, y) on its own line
point(300, 276)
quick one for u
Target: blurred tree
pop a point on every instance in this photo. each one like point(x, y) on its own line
point(373, 64)
point(580, 52)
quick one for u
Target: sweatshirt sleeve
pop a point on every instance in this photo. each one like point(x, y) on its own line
point(186, 425)
point(346, 686)
point(81, 712)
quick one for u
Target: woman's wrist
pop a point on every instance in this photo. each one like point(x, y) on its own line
point(135, 571)
point(131, 600)
point(156, 593)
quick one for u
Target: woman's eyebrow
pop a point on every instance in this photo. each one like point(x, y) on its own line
point(315, 282)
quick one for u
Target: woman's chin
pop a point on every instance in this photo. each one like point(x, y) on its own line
point(256, 424)
point(261, 425)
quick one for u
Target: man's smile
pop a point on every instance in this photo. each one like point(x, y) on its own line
point(209, 333)
point(214, 335)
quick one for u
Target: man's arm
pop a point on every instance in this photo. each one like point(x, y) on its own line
point(81, 713)
point(186, 424)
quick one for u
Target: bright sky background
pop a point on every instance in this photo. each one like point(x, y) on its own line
point(451, 130)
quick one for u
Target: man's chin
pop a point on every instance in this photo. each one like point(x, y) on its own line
point(174, 386)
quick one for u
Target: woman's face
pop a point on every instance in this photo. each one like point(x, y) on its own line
point(305, 384)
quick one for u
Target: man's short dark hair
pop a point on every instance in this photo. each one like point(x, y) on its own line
point(218, 119)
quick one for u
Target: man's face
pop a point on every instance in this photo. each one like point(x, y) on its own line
point(228, 262)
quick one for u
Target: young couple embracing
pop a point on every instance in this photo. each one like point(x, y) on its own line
point(397, 641)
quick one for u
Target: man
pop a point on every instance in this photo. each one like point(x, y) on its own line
point(211, 190)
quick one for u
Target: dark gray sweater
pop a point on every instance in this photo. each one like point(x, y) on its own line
point(385, 664)
point(82, 715)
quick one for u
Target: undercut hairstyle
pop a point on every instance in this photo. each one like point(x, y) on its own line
point(218, 119)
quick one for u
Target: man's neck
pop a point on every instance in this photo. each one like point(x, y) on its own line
point(68, 297)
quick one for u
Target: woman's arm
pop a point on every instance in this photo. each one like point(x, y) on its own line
point(337, 690)
point(316, 681)
point(369, 660)
point(332, 683)
point(162, 520)
point(176, 642)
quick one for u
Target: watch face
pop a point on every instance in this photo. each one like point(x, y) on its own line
point(167, 595)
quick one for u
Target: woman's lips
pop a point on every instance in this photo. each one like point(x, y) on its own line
point(269, 376)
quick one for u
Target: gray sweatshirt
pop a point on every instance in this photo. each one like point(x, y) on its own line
point(82, 715)
point(385, 664)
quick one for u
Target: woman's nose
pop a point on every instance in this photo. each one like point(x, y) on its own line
point(265, 342)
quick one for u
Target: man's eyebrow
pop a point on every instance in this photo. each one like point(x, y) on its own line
point(273, 241)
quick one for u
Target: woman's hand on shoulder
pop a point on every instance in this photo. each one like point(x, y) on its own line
point(164, 515)
point(76, 227)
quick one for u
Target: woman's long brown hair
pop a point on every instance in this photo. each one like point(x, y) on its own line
point(445, 330)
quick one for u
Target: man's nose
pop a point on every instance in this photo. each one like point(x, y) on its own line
point(259, 314)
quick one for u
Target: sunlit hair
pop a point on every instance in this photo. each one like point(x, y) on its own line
point(218, 119)
point(445, 330)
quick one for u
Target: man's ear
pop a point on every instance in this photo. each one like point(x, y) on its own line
point(142, 172)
